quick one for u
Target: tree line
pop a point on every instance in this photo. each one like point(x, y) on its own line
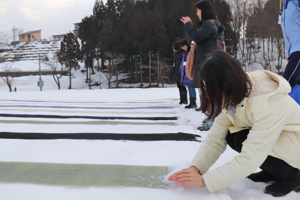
point(261, 40)
point(135, 36)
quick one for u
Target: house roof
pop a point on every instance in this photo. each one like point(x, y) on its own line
point(59, 35)
point(29, 32)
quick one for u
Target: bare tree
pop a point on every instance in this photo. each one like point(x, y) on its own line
point(109, 72)
point(4, 37)
point(162, 69)
point(112, 69)
point(279, 44)
point(7, 75)
point(149, 68)
point(57, 69)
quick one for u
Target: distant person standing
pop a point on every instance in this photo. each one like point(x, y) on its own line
point(290, 24)
point(184, 79)
point(176, 74)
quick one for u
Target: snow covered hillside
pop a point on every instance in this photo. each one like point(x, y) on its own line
point(32, 50)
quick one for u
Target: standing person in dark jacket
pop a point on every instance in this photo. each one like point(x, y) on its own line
point(184, 79)
point(177, 75)
point(206, 38)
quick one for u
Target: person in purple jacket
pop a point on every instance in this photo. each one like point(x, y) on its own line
point(185, 46)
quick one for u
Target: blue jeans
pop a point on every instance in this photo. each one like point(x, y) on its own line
point(192, 92)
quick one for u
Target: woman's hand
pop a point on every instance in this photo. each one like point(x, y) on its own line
point(189, 176)
point(186, 19)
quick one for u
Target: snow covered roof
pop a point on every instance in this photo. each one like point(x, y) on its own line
point(59, 35)
point(29, 32)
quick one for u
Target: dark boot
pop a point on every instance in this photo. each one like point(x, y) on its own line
point(288, 177)
point(180, 93)
point(183, 97)
point(198, 109)
point(262, 176)
point(282, 188)
point(193, 103)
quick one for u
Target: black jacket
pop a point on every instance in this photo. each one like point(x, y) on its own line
point(206, 39)
point(177, 62)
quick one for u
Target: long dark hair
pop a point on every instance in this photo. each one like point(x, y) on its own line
point(208, 11)
point(185, 42)
point(223, 83)
point(176, 45)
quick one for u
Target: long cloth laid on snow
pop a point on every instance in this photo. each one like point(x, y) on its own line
point(90, 108)
point(102, 136)
point(98, 122)
point(85, 117)
point(83, 175)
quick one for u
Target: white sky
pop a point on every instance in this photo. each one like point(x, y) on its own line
point(54, 17)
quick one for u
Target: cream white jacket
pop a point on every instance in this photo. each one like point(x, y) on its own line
point(273, 118)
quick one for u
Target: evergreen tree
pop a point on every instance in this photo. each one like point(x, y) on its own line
point(89, 38)
point(192, 13)
point(140, 30)
point(109, 37)
point(126, 39)
point(159, 39)
point(254, 23)
point(99, 11)
point(141, 5)
point(174, 28)
point(263, 23)
point(270, 26)
point(143, 27)
point(69, 53)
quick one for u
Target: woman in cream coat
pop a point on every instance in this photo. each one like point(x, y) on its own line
point(257, 118)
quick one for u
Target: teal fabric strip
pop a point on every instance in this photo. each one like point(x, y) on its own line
point(83, 175)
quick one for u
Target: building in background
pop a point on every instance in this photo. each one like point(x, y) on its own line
point(30, 36)
point(58, 37)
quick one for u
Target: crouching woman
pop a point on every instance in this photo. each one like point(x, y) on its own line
point(257, 118)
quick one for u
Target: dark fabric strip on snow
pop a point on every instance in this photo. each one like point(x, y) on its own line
point(99, 108)
point(87, 117)
point(102, 136)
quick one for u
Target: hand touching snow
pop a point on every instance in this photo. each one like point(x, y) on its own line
point(189, 176)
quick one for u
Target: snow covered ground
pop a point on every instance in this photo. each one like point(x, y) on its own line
point(29, 100)
point(173, 154)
